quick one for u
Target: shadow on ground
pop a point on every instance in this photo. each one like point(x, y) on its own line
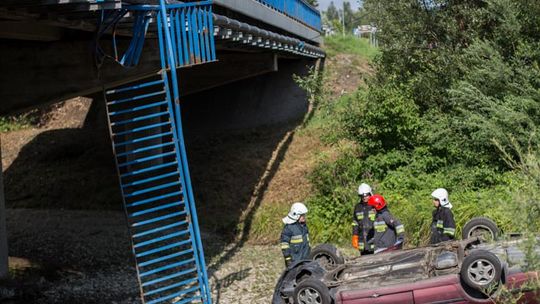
point(236, 136)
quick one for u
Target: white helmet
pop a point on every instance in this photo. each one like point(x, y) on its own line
point(442, 195)
point(297, 209)
point(364, 189)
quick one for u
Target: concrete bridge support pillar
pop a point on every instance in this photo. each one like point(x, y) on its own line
point(3, 232)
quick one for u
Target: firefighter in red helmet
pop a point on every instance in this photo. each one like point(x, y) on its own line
point(388, 230)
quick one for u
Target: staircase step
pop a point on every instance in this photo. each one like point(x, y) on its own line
point(135, 98)
point(185, 282)
point(158, 219)
point(150, 210)
point(162, 248)
point(139, 118)
point(150, 179)
point(166, 267)
point(160, 239)
point(138, 140)
point(145, 159)
point(154, 199)
point(139, 108)
point(151, 189)
point(143, 128)
point(145, 170)
point(159, 300)
point(134, 87)
point(167, 257)
point(158, 146)
point(168, 277)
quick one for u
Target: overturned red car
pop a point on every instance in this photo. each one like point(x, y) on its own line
point(467, 271)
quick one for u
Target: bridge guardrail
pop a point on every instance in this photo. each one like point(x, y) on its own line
point(298, 10)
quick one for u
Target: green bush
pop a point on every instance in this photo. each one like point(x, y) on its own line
point(381, 119)
point(456, 92)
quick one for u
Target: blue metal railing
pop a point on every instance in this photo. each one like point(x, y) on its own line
point(189, 25)
point(298, 10)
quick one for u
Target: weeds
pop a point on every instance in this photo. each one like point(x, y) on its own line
point(338, 44)
point(14, 123)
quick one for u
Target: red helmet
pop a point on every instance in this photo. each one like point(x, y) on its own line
point(377, 201)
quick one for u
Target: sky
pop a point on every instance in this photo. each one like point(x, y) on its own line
point(323, 4)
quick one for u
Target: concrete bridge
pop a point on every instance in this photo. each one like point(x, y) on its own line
point(148, 57)
point(52, 48)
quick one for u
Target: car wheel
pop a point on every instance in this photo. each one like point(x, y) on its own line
point(312, 292)
point(481, 226)
point(327, 256)
point(482, 271)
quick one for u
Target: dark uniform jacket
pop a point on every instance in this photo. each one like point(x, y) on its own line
point(295, 242)
point(363, 218)
point(388, 230)
point(443, 226)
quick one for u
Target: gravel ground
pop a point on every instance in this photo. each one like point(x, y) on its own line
point(249, 276)
point(60, 256)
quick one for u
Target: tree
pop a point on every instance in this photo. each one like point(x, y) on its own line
point(313, 3)
point(348, 16)
point(332, 12)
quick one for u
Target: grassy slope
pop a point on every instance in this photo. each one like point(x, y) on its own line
point(346, 66)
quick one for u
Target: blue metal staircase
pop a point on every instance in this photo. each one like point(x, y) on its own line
point(147, 137)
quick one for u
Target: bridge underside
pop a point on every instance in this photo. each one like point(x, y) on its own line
point(52, 49)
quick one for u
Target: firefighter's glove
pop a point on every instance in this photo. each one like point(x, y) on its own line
point(355, 241)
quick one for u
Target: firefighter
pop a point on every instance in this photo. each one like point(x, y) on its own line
point(295, 235)
point(363, 218)
point(443, 226)
point(388, 230)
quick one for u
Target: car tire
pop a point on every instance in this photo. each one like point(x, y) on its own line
point(482, 270)
point(481, 226)
point(312, 291)
point(327, 256)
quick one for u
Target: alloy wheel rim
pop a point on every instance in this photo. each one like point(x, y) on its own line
point(309, 295)
point(481, 272)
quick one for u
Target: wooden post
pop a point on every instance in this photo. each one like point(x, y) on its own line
point(3, 233)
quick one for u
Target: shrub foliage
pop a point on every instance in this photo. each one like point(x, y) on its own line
point(454, 103)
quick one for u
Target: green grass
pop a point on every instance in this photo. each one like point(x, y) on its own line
point(338, 44)
point(14, 123)
point(266, 227)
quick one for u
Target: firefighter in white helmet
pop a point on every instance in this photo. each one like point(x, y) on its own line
point(362, 224)
point(443, 226)
point(295, 235)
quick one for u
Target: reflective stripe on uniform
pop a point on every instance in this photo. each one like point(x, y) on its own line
point(361, 246)
point(372, 215)
point(284, 245)
point(449, 231)
point(400, 229)
point(380, 226)
point(296, 239)
point(440, 224)
point(288, 258)
point(359, 215)
point(354, 224)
